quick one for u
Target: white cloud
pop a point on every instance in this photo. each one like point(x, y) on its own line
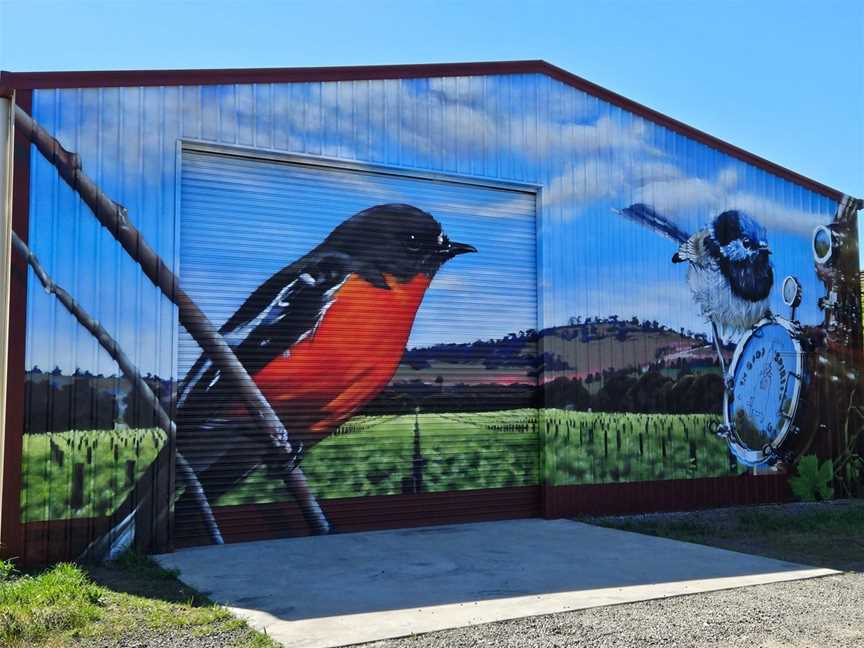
point(464, 112)
point(603, 158)
point(684, 197)
point(672, 196)
point(593, 178)
point(584, 181)
point(775, 216)
point(727, 178)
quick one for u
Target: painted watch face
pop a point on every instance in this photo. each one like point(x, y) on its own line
point(765, 387)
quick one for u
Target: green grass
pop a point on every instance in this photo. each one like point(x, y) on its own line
point(67, 605)
point(57, 601)
point(829, 534)
point(596, 448)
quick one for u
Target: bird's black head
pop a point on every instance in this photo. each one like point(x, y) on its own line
point(739, 245)
point(738, 236)
point(395, 239)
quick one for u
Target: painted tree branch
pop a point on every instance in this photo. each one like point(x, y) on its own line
point(114, 217)
point(132, 374)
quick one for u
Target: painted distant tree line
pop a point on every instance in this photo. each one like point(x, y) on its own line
point(56, 402)
point(651, 392)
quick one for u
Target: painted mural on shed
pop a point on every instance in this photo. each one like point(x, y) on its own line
point(439, 285)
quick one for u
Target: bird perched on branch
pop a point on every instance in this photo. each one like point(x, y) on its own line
point(320, 338)
point(729, 272)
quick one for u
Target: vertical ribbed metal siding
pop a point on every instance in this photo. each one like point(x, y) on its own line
point(242, 219)
point(518, 127)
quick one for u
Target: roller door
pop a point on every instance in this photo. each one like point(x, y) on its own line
point(404, 364)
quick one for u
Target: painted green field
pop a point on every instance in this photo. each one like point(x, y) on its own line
point(375, 456)
point(592, 448)
point(490, 450)
point(83, 474)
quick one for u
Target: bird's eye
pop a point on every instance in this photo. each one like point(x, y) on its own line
point(412, 243)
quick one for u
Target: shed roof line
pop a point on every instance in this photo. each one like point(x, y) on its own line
point(126, 78)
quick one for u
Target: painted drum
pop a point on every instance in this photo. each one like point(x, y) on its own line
point(765, 384)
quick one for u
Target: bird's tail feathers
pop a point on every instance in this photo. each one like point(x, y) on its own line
point(645, 215)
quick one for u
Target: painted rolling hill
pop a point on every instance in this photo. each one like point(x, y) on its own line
point(582, 350)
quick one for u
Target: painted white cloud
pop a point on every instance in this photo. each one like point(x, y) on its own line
point(585, 181)
point(603, 158)
point(457, 114)
point(775, 216)
point(592, 178)
point(688, 200)
point(682, 197)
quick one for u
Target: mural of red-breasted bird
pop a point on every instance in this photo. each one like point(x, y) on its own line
point(321, 338)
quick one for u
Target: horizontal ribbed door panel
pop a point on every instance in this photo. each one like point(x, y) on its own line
point(452, 417)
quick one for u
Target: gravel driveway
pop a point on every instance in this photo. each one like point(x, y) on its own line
point(816, 613)
point(822, 612)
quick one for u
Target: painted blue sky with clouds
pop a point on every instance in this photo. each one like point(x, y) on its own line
point(587, 157)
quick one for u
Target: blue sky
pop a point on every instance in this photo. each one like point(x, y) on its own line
point(781, 78)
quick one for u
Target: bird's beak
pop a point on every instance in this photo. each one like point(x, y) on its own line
point(455, 249)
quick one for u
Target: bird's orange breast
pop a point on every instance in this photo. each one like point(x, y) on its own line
point(325, 378)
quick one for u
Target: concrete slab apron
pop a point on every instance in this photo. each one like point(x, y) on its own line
point(336, 590)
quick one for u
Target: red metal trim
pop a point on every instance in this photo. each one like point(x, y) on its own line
point(667, 495)
point(37, 80)
point(119, 78)
point(12, 531)
point(282, 519)
point(55, 540)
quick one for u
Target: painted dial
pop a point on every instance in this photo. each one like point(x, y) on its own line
point(765, 387)
point(791, 291)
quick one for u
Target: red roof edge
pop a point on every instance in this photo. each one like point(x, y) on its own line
point(131, 78)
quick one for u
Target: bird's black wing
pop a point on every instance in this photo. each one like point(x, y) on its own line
point(280, 312)
point(645, 215)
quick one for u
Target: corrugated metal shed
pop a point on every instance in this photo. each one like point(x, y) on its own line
point(580, 295)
